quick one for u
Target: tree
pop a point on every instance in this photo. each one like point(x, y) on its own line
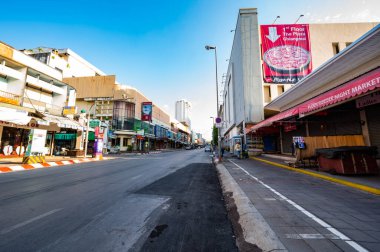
point(214, 136)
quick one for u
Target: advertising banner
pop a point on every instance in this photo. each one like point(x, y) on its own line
point(146, 111)
point(36, 142)
point(286, 52)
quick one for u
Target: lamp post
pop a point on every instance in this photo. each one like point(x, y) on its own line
point(217, 93)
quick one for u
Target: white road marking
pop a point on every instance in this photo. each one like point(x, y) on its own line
point(66, 162)
point(52, 163)
point(269, 199)
point(10, 229)
point(312, 236)
point(333, 230)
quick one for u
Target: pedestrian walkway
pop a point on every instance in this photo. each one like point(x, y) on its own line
point(15, 164)
point(365, 180)
point(307, 213)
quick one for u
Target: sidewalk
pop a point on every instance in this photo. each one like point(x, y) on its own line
point(305, 213)
point(366, 180)
point(15, 164)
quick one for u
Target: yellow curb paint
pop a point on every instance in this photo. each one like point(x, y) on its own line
point(321, 176)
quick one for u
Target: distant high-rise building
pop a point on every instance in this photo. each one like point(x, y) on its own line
point(182, 111)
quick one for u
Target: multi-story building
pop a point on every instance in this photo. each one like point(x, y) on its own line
point(32, 101)
point(248, 89)
point(118, 106)
point(336, 105)
point(182, 111)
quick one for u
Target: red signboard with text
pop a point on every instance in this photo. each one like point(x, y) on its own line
point(286, 52)
point(146, 111)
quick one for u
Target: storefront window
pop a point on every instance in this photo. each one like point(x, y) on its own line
point(14, 141)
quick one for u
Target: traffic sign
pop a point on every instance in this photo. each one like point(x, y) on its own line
point(218, 120)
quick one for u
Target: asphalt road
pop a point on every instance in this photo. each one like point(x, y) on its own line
point(158, 202)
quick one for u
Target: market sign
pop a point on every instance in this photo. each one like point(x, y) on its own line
point(286, 52)
point(146, 111)
point(288, 127)
point(368, 100)
point(358, 86)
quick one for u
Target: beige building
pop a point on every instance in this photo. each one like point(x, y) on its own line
point(120, 106)
point(246, 93)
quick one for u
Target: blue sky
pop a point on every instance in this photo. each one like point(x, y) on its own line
point(158, 46)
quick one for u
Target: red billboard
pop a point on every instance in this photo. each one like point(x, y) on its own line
point(146, 111)
point(286, 52)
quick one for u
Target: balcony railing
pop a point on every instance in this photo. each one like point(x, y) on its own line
point(7, 71)
point(43, 106)
point(9, 98)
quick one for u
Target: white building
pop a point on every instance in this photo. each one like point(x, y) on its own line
point(32, 97)
point(182, 111)
point(64, 60)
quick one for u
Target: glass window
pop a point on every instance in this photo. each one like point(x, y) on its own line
point(125, 142)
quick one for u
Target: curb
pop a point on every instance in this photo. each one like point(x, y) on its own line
point(24, 167)
point(255, 229)
point(361, 187)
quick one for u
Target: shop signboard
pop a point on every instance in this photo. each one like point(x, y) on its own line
point(98, 146)
point(95, 123)
point(146, 111)
point(290, 127)
point(36, 143)
point(368, 100)
point(69, 110)
point(286, 52)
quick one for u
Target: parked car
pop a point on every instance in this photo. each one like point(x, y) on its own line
point(208, 148)
point(115, 150)
point(188, 147)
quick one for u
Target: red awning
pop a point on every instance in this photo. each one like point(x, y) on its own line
point(283, 115)
point(363, 84)
point(358, 86)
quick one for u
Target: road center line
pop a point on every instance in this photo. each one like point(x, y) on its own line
point(333, 230)
point(10, 229)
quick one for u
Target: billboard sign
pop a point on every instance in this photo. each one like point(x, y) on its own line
point(146, 111)
point(286, 52)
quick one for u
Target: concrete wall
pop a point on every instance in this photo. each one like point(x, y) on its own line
point(322, 37)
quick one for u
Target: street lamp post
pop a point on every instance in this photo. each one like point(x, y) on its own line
point(217, 94)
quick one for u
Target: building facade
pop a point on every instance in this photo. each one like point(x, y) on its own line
point(337, 104)
point(33, 101)
point(247, 91)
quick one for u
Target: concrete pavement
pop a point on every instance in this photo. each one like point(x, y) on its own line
point(306, 213)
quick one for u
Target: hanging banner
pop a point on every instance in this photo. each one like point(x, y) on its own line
point(146, 111)
point(286, 52)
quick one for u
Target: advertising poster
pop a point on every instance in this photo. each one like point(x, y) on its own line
point(36, 142)
point(286, 52)
point(146, 111)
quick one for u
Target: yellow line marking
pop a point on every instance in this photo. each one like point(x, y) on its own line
point(321, 176)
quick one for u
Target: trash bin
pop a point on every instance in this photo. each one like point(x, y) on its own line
point(348, 159)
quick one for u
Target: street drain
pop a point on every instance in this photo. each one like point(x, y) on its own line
point(157, 231)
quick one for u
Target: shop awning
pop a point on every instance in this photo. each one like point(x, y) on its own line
point(63, 122)
point(267, 122)
point(361, 85)
point(14, 116)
